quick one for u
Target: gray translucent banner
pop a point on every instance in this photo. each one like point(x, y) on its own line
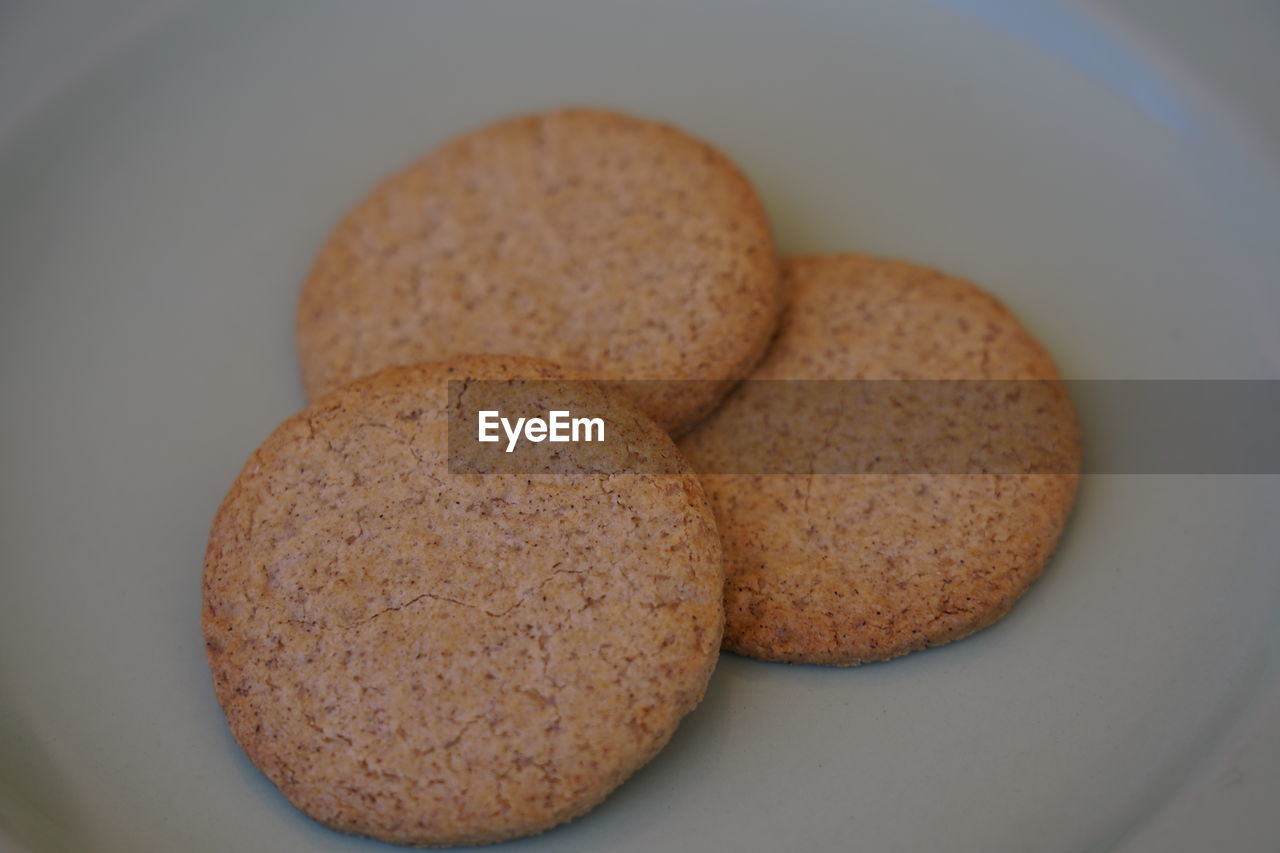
point(881, 427)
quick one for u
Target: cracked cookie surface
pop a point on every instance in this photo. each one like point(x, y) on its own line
point(434, 658)
point(842, 569)
point(622, 247)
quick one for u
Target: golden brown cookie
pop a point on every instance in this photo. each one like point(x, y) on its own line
point(841, 568)
point(436, 658)
point(622, 247)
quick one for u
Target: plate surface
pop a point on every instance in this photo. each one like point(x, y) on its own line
point(166, 173)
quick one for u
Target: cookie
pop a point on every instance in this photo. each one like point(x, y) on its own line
point(436, 658)
point(838, 568)
point(603, 242)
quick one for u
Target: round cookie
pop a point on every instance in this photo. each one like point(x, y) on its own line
point(840, 568)
point(622, 247)
point(436, 658)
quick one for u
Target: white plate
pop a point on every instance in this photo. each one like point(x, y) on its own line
point(166, 174)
